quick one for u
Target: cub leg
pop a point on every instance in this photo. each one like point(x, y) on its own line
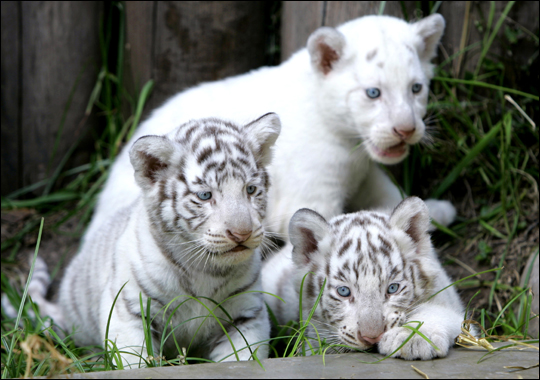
point(254, 326)
point(129, 339)
point(126, 331)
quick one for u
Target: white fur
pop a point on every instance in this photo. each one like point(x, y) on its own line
point(171, 245)
point(135, 250)
point(383, 250)
point(322, 102)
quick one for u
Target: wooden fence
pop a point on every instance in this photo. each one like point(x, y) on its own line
point(48, 48)
point(50, 58)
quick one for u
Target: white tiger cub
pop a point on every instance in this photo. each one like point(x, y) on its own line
point(380, 272)
point(194, 231)
point(364, 83)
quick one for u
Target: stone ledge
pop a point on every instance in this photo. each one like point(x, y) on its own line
point(459, 364)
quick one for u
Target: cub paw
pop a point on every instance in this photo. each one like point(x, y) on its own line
point(416, 348)
point(224, 352)
point(443, 212)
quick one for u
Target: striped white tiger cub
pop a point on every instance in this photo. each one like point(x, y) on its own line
point(194, 231)
point(380, 273)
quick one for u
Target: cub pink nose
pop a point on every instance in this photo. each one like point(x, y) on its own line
point(238, 237)
point(372, 340)
point(404, 133)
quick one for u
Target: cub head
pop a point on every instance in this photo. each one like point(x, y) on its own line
point(373, 77)
point(205, 187)
point(374, 265)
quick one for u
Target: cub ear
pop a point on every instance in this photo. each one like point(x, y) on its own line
point(430, 30)
point(264, 132)
point(150, 156)
point(307, 229)
point(412, 217)
point(325, 46)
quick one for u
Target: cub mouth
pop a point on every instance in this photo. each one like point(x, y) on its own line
point(237, 254)
point(238, 248)
point(393, 151)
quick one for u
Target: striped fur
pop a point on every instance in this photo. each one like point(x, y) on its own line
point(371, 254)
point(170, 244)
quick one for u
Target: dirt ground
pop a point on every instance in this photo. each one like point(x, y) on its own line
point(57, 247)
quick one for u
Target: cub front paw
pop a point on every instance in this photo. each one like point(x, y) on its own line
point(416, 348)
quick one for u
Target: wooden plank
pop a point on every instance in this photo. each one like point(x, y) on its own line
point(59, 39)
point(457, 23)
point(299, 20)
point(10, 114)
point(139, 43)
point(203, 41)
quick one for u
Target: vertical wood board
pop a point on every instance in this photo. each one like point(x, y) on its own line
point(299, 20)
point(59, 49)
point(139, 43)
point(194, 42)
point(10, 113)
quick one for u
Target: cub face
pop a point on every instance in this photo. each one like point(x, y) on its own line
point(373, 77)
point(205, 187)
point(373, 269)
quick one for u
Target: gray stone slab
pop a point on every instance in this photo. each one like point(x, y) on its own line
point(460, 363)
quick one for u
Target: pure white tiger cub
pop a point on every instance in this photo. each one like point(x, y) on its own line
point(380, 271)
point(355, 96)
point(194, 231)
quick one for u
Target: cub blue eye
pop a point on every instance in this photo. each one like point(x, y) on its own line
point(344, 291)
point(204, 195)
point(393, 288)
point(416, 88)
point(251, 189)
point(373, 92)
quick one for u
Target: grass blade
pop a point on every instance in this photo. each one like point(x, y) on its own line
point(463, 279)
point(381, 8)
point(145, 93)
point(15, 337)
point(487, 85)
point(108, 361)
point(490, 39)
point(60, 196)
point(466, 161)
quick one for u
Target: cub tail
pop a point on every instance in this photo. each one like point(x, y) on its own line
point(37, 290)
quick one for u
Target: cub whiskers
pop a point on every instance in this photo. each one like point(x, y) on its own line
point(193, 256)
point(267, 246)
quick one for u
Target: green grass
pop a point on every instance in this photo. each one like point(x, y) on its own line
point(485, 150)
point(44, 352)
point(483, 158)
point(50, 354)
